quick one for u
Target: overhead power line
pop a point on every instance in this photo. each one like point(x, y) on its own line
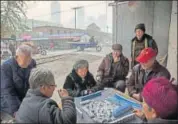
point(68, 10)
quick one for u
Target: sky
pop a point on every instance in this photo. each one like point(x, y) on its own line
point(40, 10)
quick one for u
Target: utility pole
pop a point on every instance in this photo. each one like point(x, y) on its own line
point(106, 16)
point(75, 9)
point(32, 24)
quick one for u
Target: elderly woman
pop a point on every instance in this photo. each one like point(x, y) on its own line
point(37, 107)
point(160, 102)
point(80, 81)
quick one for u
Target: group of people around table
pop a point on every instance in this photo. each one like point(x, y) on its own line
point(26, 89)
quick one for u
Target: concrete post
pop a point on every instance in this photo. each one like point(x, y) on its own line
point(172, 46)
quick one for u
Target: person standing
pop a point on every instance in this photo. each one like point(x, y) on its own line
point(141, 41)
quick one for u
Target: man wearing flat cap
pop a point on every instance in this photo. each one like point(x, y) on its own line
point(147, 69)
point(141, 41)
point(113, 69)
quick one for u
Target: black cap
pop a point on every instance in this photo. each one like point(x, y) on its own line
point(140, 26)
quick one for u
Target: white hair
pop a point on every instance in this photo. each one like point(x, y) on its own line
point(41, 76)
point(80, 64)
point(24, 49)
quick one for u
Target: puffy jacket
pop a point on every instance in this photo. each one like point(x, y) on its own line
point(76, 87)
point(14, 84)
point(37, 108)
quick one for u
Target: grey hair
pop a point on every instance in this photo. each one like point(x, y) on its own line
point(24, 49)
point(81, 64)
point(41, 77)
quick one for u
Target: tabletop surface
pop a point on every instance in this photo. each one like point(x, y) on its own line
point(83, 117)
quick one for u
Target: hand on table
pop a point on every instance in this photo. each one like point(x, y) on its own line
point(136, 96)
point(138, 112)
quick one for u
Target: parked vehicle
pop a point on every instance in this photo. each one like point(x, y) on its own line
point(80, 46)
point(5, 51)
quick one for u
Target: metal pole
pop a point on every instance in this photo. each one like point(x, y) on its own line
point(75, 8)
point(75, 19)
point(116, 21)
point(106, 18)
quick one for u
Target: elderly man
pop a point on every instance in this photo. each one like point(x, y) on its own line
point(113, 70)
point(37, 107)
point(141, 41)
point(147, 69)
point(14, 79)
point(160, 102)
point(80, 81)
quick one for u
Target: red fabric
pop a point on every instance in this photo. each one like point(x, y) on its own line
point(145, 55)
point(51, 45)
point(159, 94)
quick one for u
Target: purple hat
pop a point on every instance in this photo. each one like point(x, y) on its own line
point(159, 94)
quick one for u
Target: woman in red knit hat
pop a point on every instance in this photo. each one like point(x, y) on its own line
point(160, 102)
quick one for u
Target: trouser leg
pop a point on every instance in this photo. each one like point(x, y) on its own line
point(120, 85)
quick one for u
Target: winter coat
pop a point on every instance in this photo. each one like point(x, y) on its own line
point(136, 81)
point(37, 108)
point(105, 69)
point(138, 46)
point(14, 84)
point(76, 86)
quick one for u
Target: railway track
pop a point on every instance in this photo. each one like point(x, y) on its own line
point(44, 60)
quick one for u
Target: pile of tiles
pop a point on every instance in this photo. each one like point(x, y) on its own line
point(100, 111)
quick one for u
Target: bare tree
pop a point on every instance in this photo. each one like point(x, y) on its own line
point(12, 15)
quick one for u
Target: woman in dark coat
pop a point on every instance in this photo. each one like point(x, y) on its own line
point(160, 102)
point(80, 81)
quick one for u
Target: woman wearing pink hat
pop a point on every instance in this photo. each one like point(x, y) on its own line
point(160, 102)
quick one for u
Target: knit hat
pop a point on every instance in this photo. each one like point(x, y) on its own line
point(117, 47)
point(146, 54)
point(160, 95)
point(140, 26)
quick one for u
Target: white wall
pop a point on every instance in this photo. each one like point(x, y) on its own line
point(172, 46)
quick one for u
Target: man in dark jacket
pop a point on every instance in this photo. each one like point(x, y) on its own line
point(37, 107)
point(80, 81)
point(113, 70)
point(141, 41)
point(160, 102)
point(14, 79)
point(147, 69)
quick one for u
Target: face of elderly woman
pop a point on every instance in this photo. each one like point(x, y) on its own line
point(148, 111)
point(82, 72)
